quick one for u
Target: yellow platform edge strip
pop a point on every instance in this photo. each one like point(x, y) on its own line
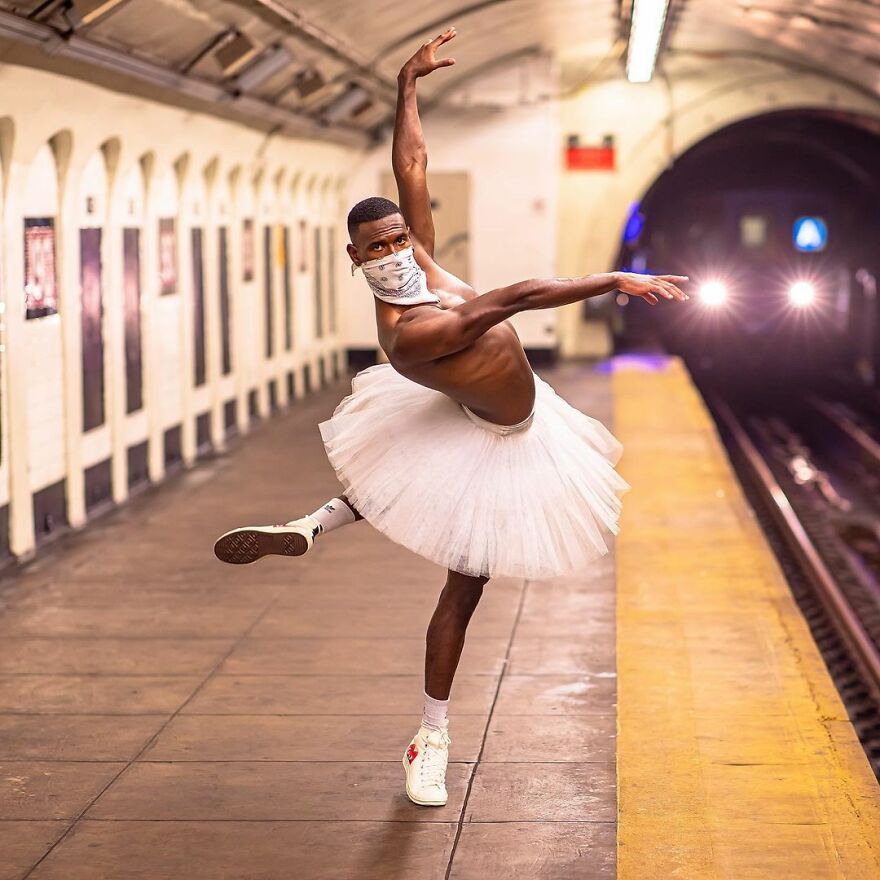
point(735, 757)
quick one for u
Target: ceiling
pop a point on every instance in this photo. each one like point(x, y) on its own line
point(328, 67)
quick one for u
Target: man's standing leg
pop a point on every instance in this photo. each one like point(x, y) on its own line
point(426, 756)
point(446, 631)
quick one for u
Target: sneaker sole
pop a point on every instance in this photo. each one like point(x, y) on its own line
point(249, 545)
point(415, 800)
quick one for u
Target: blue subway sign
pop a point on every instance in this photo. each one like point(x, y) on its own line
point(810, 234)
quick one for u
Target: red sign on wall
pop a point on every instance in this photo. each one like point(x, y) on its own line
point(589, 158)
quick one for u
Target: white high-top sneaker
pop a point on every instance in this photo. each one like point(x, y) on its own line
point(250, 543)
point(425, 762)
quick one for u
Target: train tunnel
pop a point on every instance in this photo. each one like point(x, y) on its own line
point(439, 441)
point(775, 218)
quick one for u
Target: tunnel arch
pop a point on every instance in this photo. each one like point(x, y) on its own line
point(727, 214)
point(660, 144)
point(663, 121)
point(780, 128)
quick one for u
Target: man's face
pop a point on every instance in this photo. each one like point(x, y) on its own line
point(379, 238)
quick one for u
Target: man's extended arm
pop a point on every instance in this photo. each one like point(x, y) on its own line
point(423, 335)
point(409, 157)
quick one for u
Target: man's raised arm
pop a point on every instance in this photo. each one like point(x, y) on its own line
point(409, 157)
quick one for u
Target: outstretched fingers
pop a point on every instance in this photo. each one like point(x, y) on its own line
point(436, 43)
point(670, 290)
point(445, 37)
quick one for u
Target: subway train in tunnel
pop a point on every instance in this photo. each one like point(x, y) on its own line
point(776, 222)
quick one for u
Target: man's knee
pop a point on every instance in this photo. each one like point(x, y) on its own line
point(463, 591)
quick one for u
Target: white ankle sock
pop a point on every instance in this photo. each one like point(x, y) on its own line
point(435, 714)
point(333, 514)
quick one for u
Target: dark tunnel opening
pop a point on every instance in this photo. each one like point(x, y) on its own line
point(776, 220)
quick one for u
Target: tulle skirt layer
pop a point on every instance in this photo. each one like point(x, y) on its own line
point(534, 503)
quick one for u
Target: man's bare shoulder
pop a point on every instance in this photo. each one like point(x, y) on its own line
point(441, 281)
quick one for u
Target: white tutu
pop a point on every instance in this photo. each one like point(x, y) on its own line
point(528, 503)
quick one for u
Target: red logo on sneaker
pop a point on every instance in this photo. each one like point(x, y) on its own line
point(411, 752)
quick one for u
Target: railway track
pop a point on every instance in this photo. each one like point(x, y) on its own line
point(825, 530)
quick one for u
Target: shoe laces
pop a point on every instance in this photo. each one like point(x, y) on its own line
point(432, 770)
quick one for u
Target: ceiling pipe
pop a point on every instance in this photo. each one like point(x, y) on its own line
point(80, 49)
point(296, 25)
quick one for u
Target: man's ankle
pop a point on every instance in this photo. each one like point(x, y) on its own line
point(332, 515)
point(435, 713)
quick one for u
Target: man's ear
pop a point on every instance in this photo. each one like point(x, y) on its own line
point(352, 252)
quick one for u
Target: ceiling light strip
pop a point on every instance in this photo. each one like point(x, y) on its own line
point(646, 32)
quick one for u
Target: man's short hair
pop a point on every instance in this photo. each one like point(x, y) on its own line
point(373, 208)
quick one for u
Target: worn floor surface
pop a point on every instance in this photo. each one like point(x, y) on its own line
point(165, 716)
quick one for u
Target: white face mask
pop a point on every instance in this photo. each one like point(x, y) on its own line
point(398, 279)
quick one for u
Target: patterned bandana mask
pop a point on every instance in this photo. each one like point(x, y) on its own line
point(398, 279)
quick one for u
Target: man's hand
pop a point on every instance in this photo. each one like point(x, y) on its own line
point(648, 286)
point(424, 62)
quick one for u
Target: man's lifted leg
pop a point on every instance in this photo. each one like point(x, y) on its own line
point(250, 543)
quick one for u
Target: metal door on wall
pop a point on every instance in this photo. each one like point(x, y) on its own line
point(131, 293)
point(225, 330)
point(92, 312)
point(268, 270)
point(331, 275)
point(319, 299)
point(288, 289)
point(450, 204)
point(198, 307)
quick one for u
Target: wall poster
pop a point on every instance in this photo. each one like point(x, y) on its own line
point(247, 250)
point(167, 256)
point(303, 246)
point(40, 280)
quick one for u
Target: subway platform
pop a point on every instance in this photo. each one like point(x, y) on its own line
point(664, 714)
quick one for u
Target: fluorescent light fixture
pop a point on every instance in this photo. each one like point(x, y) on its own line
point(88, 11)
point(267, 65)
point(713, 293)
point(349, 103)
point(646, 30)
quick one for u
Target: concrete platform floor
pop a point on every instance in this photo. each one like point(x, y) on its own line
point(165, 716)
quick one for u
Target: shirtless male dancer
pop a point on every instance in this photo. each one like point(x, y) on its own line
point(455, 448)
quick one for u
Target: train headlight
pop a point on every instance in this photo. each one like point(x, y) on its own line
point(801, 294)
point(713, 293)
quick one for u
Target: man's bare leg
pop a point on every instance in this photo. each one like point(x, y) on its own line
point(427, 754)
point(446, 631)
